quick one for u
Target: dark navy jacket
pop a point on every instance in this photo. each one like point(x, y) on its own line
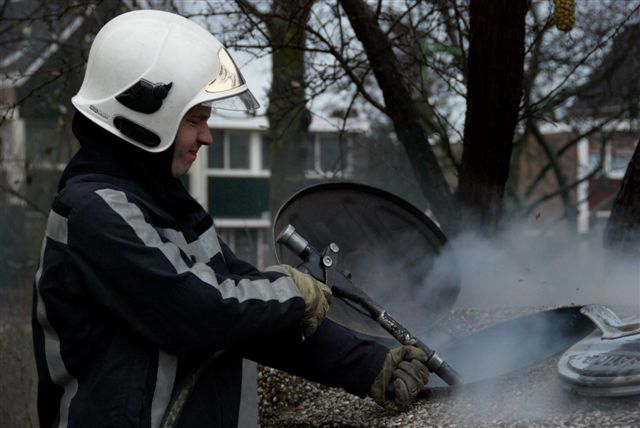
point(135, 292)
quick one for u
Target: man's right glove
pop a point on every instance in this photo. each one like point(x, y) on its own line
point(402, 376)
point(316, 295)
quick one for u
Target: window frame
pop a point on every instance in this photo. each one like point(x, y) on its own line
point(316, 152)
point(610, 172)
point(229, 236)
point(254, 169)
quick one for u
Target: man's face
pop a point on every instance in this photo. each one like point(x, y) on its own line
point(193, 132)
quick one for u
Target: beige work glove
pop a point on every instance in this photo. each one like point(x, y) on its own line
point(402, 376)
point(316, 295)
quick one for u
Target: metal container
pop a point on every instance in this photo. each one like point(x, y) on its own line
point(607, 362)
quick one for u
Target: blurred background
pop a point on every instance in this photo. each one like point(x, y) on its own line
point(512, 124)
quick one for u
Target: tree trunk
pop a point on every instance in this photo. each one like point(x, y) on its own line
point(402, 109)
point(623, 228)
point(287, 113)
point(496, 57)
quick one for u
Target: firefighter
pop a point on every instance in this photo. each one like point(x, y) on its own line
point(141, 315)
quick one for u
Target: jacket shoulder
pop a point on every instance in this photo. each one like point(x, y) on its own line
point(78, 193)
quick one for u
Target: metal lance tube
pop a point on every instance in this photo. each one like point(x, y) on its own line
point(341, 286)
point(435, 363)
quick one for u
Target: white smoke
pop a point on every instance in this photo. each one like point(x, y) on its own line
point(515, 269)
point(519, 269)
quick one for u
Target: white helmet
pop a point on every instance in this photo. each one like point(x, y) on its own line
point(147, 68)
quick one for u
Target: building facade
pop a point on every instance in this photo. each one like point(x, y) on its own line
point(230, 178)
point(592, 168)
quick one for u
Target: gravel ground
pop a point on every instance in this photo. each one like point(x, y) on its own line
point(529, 398)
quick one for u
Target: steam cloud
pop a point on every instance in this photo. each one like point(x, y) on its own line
point(518, 269)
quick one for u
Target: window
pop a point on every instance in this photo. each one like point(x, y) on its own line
point(230, 150)
point(594, 161)
point(312, 156)
point(266, 152)
point(243, 243)
point(616, 161)
point(248, 244)
point(238, 197)
point(216, 150)
point(239, 150)
point(620, 161)
point(328, 155)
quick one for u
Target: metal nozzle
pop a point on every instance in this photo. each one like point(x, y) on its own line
point(293, 240)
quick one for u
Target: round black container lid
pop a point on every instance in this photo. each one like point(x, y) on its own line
point(387, 244)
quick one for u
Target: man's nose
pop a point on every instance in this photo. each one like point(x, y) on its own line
point(204, 136)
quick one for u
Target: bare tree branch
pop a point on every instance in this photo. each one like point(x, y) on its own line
point(402, 109)
point(535, 181)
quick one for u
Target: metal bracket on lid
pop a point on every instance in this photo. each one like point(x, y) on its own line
point(609, 323)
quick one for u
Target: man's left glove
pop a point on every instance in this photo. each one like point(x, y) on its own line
point(402, 376)
point(316, 295)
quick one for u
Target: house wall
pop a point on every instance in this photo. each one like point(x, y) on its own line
point(532, 160)
point(604, 187)
point(610, 151)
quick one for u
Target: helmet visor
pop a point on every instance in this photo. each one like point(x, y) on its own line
point(244, 101)
point(229, 79)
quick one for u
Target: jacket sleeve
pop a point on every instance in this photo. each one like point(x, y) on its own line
point(333, 356)
point(238, 266)
point(147, 282)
